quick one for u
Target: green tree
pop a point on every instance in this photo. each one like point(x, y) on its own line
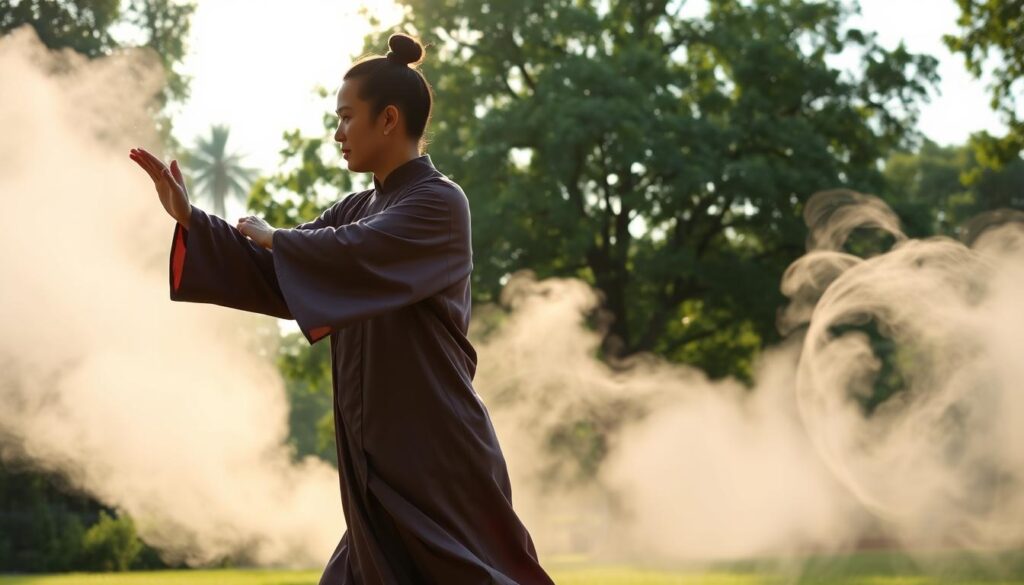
point(165, 25)
point(307, 374)
point(990, 34)
point(86, 26)
point(44, 522)
point(939, 189)
point(216, 173)
point(111, 544)
point(924, 187)
point(662, 158)
point(82, 26)
point(312, 177)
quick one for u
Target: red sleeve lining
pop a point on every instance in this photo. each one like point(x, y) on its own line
point(178, 256)
point(178, 264)
point(317, 333)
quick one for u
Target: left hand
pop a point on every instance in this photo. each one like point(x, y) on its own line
point(257, 230)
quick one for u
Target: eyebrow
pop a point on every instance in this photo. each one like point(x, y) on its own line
point(338, 111)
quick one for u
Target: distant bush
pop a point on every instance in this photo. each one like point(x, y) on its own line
point(110, 545)
point(47, 525)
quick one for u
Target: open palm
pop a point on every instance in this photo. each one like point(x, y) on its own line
point(170, 185)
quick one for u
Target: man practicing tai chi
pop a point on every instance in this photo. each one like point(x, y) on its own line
point(385, 275)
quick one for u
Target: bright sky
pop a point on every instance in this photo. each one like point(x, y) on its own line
point(254, 66)
point(963, 106)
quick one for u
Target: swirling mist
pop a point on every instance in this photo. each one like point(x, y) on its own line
point(169, 411)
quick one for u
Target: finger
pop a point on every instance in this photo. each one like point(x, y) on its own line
point(153, 160)
point(145, 166)
point(138, 158)
point(143, 155)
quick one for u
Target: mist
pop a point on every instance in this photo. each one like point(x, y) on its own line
point(164, 410)
point(699, 470)
point(173, 412)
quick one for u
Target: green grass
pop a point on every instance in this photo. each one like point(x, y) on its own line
point(211, 577)
point(866, 568)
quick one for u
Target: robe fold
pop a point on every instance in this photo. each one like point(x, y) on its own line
point(385, 275)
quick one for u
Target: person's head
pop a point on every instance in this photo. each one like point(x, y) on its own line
point(384, 104)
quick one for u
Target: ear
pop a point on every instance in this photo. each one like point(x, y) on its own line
point(390, 119)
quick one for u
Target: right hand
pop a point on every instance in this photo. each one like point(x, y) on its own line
point(170, 185)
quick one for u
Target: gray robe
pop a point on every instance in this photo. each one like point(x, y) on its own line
point(384, 274)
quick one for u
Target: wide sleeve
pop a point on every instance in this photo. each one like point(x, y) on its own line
point(212, 262)
point(335, 276)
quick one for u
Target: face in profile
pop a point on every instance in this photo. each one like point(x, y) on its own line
point(361, 138)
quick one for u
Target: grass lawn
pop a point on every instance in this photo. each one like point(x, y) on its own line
point(867, 568)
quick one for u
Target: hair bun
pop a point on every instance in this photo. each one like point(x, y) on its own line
point(404, 49)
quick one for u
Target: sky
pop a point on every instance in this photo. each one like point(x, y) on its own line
point(254, 66)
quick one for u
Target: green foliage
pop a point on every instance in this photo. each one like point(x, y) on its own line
point(990, 34)
point(85, 26)
point(41, 525)
point(166, 25)
point(726, 345)
point(937, 189)
point(991, 189)
point(111, 544)
point(47, 525)
point(579, 447)
point(307, 374)
point(312, 177)
point(665, 157)
point(924, 186)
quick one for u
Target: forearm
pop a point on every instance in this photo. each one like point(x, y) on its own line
point(216, 264)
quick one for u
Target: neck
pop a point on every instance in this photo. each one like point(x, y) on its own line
point(395, 160)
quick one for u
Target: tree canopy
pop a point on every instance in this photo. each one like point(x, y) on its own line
point(87, 27)
point(990, 34)
point(662, 157)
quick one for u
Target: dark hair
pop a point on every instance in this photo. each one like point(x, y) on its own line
point(390, 79)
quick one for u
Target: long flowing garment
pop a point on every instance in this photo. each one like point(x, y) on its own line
point(384, 274)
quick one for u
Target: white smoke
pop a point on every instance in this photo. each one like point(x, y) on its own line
point(167, 411)
point(696, 469)
point(162, 409)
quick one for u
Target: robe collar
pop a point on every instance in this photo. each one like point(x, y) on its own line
point(404, 174)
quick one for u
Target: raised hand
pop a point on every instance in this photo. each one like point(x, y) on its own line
point(170, 185)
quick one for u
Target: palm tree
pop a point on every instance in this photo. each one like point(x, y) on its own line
point(216, 174)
